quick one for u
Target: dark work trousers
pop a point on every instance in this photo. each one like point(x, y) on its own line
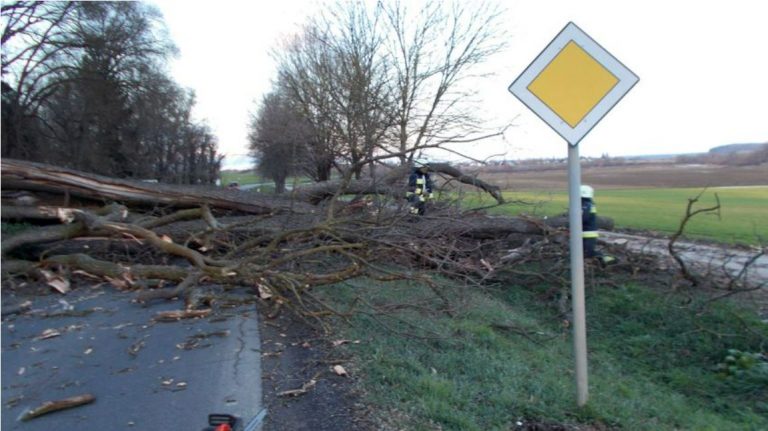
point(589, 248)
point(418, 205)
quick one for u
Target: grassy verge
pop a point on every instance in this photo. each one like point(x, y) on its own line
point(744, 212)
point(504, 356)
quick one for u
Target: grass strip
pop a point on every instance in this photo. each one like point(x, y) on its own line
point(505, 356)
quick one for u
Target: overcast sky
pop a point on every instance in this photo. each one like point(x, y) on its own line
point(702, 67)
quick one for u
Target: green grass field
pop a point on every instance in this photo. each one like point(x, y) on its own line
point(743, 213)
point(241, 177)
point(251, 177)
point(504, 355)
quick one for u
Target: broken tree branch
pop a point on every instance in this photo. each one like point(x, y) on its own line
point(116, 270)
point(446, 169)
point(689, 214)
point(172, 292)
point(306, 387)
point(54, 406)
point(56, 233)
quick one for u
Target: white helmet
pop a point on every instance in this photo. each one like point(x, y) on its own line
point(587, 192)
point(421, 163)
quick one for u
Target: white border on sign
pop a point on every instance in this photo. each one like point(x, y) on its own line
point(572, 32)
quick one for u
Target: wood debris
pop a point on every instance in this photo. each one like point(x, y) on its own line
point(340, 371)
point(306, 387)
point(48, 333)
point(57, 282)
point(136, 347)
point(8, 310)
point(176, 315)
point(53, 406)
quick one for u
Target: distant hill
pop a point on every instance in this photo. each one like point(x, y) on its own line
point(652, 157)
point(737, 148)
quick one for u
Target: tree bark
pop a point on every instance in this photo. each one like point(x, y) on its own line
point(18, 174)
point(116, 270)
point(392, 183)
point(24, 175)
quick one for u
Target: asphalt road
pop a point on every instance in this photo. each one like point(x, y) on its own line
point(145, 375)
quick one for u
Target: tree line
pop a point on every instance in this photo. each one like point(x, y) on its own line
point(85, 86)
point(367, 83)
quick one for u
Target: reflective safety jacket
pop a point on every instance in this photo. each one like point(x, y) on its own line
point(588, 218)
point(419, 186)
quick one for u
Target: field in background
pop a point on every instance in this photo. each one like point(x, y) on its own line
point(651, 197)
point(266, 185)
point(627, 176)
point(743, 214)
point(643, 196)
point(241, 177)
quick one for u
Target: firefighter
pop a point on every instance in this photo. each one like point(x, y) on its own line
point(589, 227)
point(419, 188)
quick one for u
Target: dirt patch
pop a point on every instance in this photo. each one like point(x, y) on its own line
point(293, 355)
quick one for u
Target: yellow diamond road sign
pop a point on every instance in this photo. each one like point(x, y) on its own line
point(573, 83)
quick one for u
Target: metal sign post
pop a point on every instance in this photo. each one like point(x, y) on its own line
point(577, 275)
point(571, 85)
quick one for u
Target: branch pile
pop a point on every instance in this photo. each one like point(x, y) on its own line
point(146, 236)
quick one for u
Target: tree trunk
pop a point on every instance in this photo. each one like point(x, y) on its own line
point(391, 183)
point(279, 184)
point(17, 174)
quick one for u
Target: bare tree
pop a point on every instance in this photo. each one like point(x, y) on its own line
point(278, 139)
point(433, 52)
point(335, 72)
point(384, 82)
point(34, 39)
point(303, 66)
point(84, 86)
point(359, 92)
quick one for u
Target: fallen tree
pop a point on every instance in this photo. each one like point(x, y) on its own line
point(278, 246)
point(67, 183)
point(391, 184)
